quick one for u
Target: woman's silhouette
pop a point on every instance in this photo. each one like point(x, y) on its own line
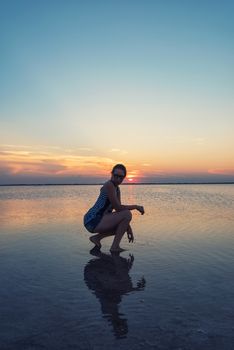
point(108, 277)
point(101, 218)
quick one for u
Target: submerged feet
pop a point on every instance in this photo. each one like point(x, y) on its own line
point(95, 241)
point(95, 251)
point(117, 250)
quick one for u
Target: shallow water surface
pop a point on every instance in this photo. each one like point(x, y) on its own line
point(172, 289)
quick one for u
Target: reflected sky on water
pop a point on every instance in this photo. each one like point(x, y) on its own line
point(177, 293)
point(109, 280)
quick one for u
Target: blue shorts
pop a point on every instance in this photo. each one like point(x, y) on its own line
point(90, 225)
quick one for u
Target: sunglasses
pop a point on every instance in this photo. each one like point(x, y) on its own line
point(121, 177)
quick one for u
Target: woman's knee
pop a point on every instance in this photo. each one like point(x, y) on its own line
point(127, 215)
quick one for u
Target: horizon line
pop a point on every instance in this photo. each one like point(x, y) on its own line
point(126, 184)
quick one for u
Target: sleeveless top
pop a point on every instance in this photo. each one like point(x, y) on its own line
point(101, 206)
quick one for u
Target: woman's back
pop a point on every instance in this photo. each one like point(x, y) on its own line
point(101, 206)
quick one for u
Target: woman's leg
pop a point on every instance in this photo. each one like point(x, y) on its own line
point(114, 223)
point(120, 231)
point(97, 238)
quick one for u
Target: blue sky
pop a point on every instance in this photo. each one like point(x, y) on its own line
point(151, 79)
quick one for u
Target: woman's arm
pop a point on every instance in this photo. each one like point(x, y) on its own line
point(116, 200)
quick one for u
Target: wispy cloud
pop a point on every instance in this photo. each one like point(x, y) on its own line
point(85, 149)
point(199, 141)
point(47, 161)
point(114, 150)
point(117, 150)
point(222, 171)
point(187, 141)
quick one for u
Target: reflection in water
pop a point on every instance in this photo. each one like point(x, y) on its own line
point(108, 278)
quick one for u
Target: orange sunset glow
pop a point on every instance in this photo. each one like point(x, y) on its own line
point(77, 165)
point(79, 97)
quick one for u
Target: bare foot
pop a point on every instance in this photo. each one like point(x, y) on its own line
point(95, 241)
point(95, 251)
point(117, 250)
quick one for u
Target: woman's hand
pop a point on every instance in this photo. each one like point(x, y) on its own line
point(130, 234)
point(140, 209)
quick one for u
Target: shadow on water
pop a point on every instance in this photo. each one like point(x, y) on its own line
point(107, 275)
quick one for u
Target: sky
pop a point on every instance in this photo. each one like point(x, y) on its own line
point(88, 84)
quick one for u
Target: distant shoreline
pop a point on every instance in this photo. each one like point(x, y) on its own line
point(125, 184)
